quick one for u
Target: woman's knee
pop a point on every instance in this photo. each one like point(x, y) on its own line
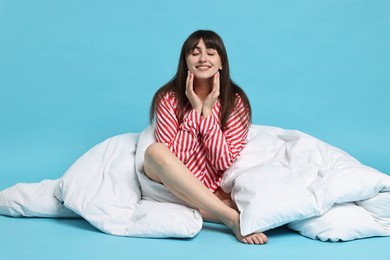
point(156, 154)
point(153, 161)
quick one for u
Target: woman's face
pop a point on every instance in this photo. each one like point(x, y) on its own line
point(203, 62)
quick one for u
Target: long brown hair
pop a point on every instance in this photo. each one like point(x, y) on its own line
point(228, 89)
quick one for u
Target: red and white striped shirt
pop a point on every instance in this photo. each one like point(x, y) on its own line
point(199, 142)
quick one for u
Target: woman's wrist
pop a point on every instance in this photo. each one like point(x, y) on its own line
point(198, 109)
point(206, 112)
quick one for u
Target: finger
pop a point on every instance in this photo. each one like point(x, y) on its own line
point(188, 78)
point(216, 84)
point(191, 82)
point(216, 79)
point(189, 85)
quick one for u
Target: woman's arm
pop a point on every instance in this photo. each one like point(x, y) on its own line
point(183, 139)
point(223, 147)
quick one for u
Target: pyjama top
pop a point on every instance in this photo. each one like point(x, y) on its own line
point(199, 142)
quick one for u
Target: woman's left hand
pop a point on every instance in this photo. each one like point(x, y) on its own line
point(212, 98)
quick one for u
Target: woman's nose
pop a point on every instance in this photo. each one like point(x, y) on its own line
point(202, 57)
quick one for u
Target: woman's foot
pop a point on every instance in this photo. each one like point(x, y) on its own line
point(233, 222)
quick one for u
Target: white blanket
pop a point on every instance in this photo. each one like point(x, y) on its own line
point(288, 177)
point(282, 177)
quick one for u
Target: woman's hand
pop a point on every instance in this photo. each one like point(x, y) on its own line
point(195, 101)
point(212, 98)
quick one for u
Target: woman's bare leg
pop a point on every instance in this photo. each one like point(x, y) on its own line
point(162, 166)
point(226, 199)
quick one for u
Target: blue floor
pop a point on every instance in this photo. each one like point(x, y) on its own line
point(22, 238)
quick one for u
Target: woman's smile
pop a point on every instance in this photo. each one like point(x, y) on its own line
point(203, 67)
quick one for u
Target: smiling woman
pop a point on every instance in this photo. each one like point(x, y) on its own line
point(74, 73)
point(202, 123)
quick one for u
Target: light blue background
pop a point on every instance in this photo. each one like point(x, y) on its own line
point(73, 73)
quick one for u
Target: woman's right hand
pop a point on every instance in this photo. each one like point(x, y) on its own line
point(195, 101)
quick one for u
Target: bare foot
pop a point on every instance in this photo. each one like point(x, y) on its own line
point(254, 239)
point(233, 223)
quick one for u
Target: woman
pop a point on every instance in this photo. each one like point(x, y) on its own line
point(202, 122)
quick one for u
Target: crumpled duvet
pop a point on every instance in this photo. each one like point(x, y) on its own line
point(282, 177)
point(288, 177)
